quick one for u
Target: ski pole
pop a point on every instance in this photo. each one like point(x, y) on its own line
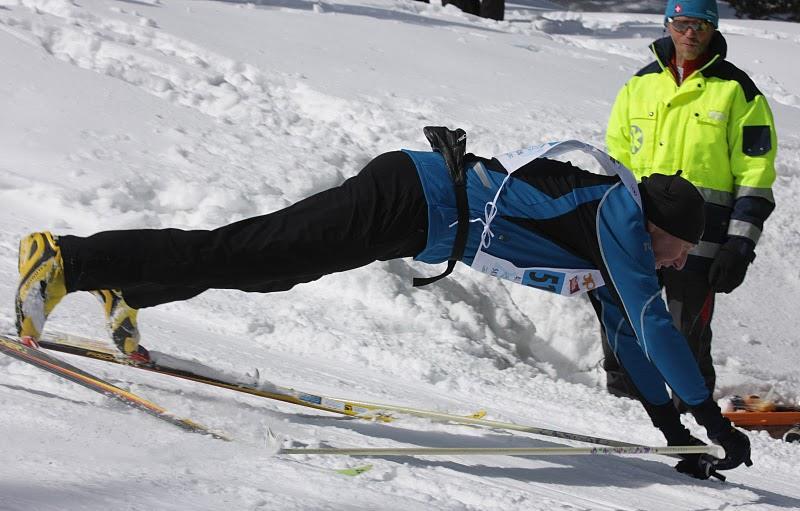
point(448, 417)
point(503, 451)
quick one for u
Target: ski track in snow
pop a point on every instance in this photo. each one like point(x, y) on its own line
point(221, 139)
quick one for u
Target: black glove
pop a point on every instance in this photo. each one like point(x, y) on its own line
point(721, 432)
point(737, 449)
point(699, 466)
point(667, 419)
point(729, 267)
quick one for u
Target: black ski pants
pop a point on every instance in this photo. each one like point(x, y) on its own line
point(691, 303)
point(379, 214)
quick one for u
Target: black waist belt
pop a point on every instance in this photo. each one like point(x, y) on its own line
point(453, 146)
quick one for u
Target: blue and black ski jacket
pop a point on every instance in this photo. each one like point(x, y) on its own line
point(563, 229)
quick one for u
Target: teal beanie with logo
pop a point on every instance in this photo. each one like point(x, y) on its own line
point(700, 9)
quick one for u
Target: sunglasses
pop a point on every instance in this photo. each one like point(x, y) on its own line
point(683, 25)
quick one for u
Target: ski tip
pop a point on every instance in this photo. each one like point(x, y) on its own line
point(29, 342)
point(354, 471)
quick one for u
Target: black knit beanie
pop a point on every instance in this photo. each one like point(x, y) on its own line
point(674, 204)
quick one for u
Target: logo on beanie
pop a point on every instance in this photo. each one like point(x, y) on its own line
point(678, 9)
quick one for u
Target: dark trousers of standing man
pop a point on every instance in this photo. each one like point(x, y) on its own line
point(380, 214)
point(691, 304)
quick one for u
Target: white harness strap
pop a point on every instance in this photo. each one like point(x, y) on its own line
point(564, 281)
point(514, 160)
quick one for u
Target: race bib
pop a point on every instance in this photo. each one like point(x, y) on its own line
point(562, 281)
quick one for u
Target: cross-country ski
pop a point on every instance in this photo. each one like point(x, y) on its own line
point(16, 349)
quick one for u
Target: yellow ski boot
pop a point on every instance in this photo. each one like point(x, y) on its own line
point(121, 324)
point(41, 284)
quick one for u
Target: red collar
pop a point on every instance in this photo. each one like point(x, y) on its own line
point(689, 66)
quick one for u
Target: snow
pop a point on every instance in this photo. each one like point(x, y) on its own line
point(194, 113)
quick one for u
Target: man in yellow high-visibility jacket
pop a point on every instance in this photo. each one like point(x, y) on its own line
point(693, 111)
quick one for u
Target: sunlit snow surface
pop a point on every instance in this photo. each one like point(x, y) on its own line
point(193, 114)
